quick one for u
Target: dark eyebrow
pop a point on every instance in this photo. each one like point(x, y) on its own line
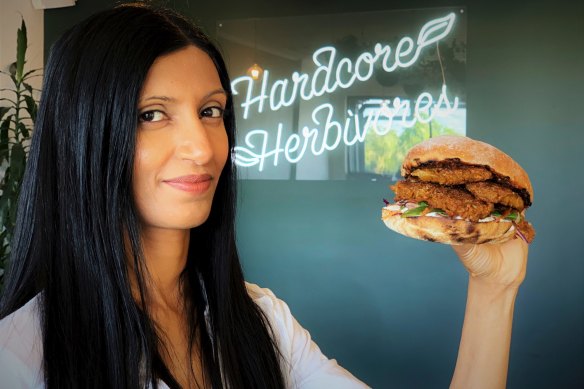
point(219, 91)
point(163, 98)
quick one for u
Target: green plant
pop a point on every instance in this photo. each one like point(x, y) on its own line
point(16, 123)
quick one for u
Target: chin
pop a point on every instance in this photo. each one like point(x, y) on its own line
point(199, 219)
point(176, 219)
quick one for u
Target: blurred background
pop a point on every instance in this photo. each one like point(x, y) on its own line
point(389, 308)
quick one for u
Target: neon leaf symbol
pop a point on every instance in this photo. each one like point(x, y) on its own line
point(435, 30)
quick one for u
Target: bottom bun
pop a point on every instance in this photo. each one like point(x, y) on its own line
point(447, 230)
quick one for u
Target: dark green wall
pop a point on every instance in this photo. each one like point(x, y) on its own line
point(388, 308)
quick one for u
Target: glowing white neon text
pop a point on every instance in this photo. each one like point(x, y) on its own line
point(328, 77)
point(257, 151)
point(325, 133)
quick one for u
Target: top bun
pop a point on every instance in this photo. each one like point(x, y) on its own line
point(468, 151)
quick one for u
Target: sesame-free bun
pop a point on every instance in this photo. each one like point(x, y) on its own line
point(471, 152)
point(447, 230)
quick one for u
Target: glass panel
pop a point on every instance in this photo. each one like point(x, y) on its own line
point(343, 96)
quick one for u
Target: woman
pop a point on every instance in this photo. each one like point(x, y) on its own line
point(125, 272)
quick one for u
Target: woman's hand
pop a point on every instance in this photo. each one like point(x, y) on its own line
point(496, 271)
point(496, 264)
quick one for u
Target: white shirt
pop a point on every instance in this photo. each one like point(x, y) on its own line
point(304, 365)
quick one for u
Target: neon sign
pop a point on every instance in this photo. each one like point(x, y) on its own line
point(256, 152)
point(332, 73)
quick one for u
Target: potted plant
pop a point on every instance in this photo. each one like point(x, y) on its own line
point(18, 109)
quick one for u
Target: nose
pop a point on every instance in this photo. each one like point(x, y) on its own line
point(194, 143)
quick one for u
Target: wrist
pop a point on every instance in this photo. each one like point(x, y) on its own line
point(485, 289)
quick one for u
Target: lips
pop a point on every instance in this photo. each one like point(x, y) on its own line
point(195, 183)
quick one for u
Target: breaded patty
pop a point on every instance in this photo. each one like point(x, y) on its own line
point(453, 201)
point(527, 230)
point(496, 193)
point(452, 175)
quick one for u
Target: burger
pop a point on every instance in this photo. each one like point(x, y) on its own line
point(457, 190)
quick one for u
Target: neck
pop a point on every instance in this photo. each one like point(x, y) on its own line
point(165, 256)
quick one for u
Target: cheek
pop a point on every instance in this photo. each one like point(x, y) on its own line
point(221, 149)
point(142, 192)
point(152, 154)
point(144, 163)
point(148, 159)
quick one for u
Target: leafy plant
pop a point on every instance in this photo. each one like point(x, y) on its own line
point(18, 111)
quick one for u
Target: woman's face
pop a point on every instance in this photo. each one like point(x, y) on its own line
point(181, 143)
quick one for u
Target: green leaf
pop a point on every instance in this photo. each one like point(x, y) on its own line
point(3, 236)
point(3, 111)
point(23, 130)
point(31, 107)
point(17, 162)
point(29, 73)
point(416, 211)
point(21, 43)
point(27, 87)
point(14, 130)
point(4, 126)
point(4, 208)
point(513, 216)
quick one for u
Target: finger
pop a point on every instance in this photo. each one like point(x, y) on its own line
point(464, 250)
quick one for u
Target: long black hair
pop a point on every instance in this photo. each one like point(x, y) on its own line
point(76, 214)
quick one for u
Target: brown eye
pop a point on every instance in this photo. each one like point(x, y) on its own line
point(151, 116)
point(212, 112)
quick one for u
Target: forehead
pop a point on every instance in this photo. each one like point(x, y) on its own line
point(186, 70)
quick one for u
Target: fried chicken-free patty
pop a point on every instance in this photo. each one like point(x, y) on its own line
point(527, 230)
point(452, 175)
point(495, 193)
point(453, 201)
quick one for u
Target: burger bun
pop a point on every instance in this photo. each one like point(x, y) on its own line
point(449, 231)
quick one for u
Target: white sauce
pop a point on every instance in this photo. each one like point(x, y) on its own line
point(435, 214)
point(487, 219)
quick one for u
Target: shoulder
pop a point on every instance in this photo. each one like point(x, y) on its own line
point(21, 347)
point(277, 312)
point(302, 359)
point(263, 297)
